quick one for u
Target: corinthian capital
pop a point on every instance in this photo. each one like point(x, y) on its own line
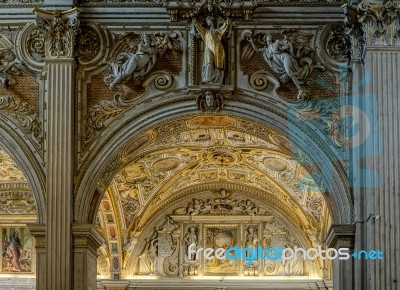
point(59, 29)
point(380, 23)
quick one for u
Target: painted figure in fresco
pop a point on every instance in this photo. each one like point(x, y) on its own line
point(13, 249)
point(214, 53)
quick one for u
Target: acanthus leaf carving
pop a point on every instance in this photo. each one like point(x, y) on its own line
point(59, 29)
point(24, 114)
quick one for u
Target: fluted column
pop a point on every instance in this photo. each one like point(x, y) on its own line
point(59, 30)
point(375, 33)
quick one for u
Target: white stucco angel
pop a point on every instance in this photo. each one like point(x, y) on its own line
point(280, 55)
point(127, 65)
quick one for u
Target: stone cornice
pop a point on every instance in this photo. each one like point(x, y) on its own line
point(341, 236)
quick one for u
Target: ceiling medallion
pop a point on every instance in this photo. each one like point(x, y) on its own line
point(166, 164)
point(275, 164)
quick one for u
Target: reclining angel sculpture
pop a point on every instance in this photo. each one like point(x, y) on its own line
point(127, 65)
point(280, 57)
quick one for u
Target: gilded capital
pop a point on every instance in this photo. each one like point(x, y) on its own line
point(372, 25)
point(59, 29)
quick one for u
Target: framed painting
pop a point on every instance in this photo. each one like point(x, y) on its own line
point(221, 236)
point(17, 249)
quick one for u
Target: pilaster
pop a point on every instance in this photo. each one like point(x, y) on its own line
point(342, 237)
point(86, 242)
point(38, 231)
point(59, 29)
point(374, 29)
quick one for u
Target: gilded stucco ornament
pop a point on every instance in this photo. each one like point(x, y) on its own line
point(380, 23)
point(59, 29)
point(291, 57)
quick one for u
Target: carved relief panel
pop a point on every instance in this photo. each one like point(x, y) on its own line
point(177, 246)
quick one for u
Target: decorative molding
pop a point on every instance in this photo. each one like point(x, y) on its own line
point(59, 29)
point(24, 114)
point(17, 203)
point(338, 44)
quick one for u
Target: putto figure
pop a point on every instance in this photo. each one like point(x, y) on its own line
point(208, 102)
point(279, 54)
point(214, 53)
point(128, 65)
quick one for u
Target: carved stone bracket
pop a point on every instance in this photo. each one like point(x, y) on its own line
point(59, 29)
point(341, 236)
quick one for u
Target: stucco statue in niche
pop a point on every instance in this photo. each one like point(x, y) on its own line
point(189, 239)
point(133, 65)
point(282, 58)
point(213, 66)
point(148, 258)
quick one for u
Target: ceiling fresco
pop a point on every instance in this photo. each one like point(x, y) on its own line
point(177, 171)
point(16, 199)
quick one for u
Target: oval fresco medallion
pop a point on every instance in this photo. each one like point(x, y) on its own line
point(275, 163)
point(166, 164)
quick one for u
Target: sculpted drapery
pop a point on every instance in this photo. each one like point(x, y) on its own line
point(214, 54)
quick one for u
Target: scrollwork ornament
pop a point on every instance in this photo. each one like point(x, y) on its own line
point(163, 81)
point(259, 80)
point(88, 44)
point(338, 44)
point(36, 45)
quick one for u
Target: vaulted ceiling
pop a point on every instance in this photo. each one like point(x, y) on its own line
point(210, 152)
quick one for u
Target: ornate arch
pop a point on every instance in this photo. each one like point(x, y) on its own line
point(104, 160)
point(29, 165)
